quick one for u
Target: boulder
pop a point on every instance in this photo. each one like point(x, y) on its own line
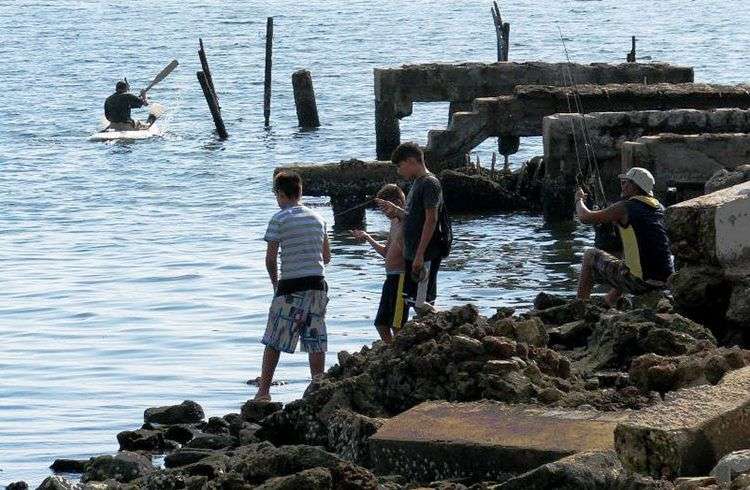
point(696, 483)
point(738, 309)
point(312, 479)
point(186, 456)
point(212, 441)
point(56, 483)
point(592, 470)
point(182, 433)
point(17, 485)
point(255, 411)
point(141, 440)
point(349, 434)
point(123, 467)
point(571, 334)
point(217, 426)
point(732, 465)
point(187, 412)
point(69, 465)
point(544, 301)
point(701, 292)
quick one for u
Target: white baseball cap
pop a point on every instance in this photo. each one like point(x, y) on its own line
point(642, 178)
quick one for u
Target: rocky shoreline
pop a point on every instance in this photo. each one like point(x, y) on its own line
point(562, 354)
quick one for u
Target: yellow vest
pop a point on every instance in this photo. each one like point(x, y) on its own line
point(631, 252)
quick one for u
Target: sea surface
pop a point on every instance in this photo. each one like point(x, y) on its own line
point(132, 274)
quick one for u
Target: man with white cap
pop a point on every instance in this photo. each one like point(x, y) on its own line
point(639, 217)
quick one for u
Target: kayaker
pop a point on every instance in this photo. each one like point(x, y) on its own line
point(117, 108)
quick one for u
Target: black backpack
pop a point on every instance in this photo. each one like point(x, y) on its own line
point(444, 232)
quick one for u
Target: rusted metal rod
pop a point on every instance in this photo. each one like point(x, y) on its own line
point(267, 81)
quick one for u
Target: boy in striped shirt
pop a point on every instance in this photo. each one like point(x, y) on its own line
point(298, 308)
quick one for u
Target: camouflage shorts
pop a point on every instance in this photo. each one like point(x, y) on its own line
point(612, 271)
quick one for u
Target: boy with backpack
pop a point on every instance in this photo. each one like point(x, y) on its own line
point(427, 231)
point(392, 312)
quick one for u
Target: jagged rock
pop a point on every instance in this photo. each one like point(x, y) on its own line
point(212, 441)
point(738, 310)
point(187, 412)
point(248, 433)
point(732, 465)
point(544, 301)
point(55, 483)
point(259, 462)
point(63, 465)
point(724, 178)
point(588, 470)
point(255, 411)
point(696, 483)
point(312, 479)
point(217, 426)
point(141, 440)
point(701, 292)
point(571, 334)
point(17, 485)
point(211, 467)
point(124, 467)
point(182, 433)
point(186, 456)
point(619, 337)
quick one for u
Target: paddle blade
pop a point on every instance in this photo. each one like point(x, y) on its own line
point(162, 75)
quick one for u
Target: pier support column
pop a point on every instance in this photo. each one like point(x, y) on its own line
point(459, 106)
point(387, 129)
point(346, 214)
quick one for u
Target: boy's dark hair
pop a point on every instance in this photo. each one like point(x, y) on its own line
point(407, 150)
point(289, 183)
point(392, 193)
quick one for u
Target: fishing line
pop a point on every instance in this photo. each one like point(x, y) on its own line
point(369, 201)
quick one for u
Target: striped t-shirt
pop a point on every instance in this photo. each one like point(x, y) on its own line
point(300, 233)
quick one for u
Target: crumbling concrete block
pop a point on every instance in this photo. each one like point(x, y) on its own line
point(690, 432)
point(712, 229)
point(686, 160)
point(485, 440)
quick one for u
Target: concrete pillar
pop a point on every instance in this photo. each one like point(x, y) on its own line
point(387, 129)
point(459, 106)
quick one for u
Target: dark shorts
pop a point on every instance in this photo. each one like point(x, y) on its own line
point(424, 291)
point(392, 312)
point(612, 271)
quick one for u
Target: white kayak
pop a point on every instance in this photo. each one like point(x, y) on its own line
point(133, 134)
point(152, 131)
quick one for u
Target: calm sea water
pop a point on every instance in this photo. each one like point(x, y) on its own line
point(132, 275)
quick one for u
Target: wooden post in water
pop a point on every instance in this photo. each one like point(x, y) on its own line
point(492, 165)
point(631, 55)
point(502, 32)
point(267, 81)
point(204, 65)
point(304, 99)
point(213, 105)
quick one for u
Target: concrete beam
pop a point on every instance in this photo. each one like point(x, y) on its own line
point(396, 89)
point(564, 155)
point(713, 229)
point(688, 434)
point(686, 160)
point(345, 177)
point(485, 440)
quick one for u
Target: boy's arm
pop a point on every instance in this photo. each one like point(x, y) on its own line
point(389, 208)
point(272, 252)
point(326, 251)
point(428, 229)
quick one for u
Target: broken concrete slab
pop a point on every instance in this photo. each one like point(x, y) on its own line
point(396, 89)
point(686, 161)
point(485, 440)
point(712, 229)
point(688, 433)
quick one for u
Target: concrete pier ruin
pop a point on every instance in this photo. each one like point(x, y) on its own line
point(607, 133)
point(686, 162)
point(440, 440)
point(396, 89)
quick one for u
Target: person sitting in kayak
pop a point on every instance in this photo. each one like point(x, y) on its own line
point(117, 108)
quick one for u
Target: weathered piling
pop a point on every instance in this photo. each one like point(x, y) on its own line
point(304, 99)
point(205, 67)
point(213, 105)
point(267, 81)
point(502, 31)
point(631, 54)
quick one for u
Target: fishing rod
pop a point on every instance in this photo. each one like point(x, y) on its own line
point(361, 205)
point(591, 161)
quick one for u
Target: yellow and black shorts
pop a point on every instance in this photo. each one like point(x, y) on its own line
point(392, 311)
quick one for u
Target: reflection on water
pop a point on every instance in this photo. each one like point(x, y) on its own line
point(132, 273)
